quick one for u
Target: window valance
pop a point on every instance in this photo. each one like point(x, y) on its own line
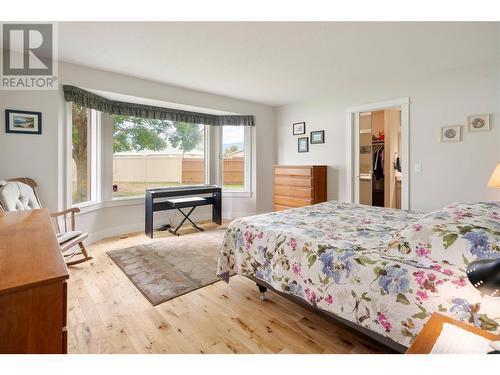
point(90, 100)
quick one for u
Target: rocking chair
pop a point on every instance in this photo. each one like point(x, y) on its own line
point(19, 194)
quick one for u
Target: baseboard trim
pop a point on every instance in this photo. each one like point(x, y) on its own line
point(114, 231)
point(139, 227)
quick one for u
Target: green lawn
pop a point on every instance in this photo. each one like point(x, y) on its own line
point(234, 186)
point(129, 188)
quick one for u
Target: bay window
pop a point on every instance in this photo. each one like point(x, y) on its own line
point(84, 154)
point(126, 155)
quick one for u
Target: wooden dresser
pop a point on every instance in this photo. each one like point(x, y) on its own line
point(298, 185)
point(33, 294)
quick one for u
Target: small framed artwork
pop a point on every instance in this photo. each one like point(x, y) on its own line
point(23, 122)
point(450, 133)
point(303, 144)
point(317, 136)
point(299, 128)
point(479, 123)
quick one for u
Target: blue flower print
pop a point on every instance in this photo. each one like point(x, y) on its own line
point(337, 266)
point(394, 281)
point(239, 239)
point(479, 244)
point(463, 311)
point(296, 289)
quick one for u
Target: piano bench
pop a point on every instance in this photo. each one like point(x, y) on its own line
point(192, 202)
point(187, 202)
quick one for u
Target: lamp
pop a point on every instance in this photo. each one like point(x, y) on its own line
point(484, 274)
point(494, 181)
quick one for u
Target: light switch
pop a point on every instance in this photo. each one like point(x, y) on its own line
point(418, 167)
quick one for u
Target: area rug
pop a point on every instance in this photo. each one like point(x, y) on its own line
point(169, 267)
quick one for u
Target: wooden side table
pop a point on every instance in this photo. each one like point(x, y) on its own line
point(424, 342)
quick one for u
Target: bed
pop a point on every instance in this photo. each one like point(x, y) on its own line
point(383, 271)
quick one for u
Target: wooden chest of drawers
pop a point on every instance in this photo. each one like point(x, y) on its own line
point(298, 185)
point(33, 294)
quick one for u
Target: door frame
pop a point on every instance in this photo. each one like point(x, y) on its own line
point(352, 139)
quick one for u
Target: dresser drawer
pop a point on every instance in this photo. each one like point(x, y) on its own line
point(293, 181)
point(304, 172)
point(292, 191)
point(291, 202)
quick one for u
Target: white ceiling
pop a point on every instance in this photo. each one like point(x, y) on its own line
point(275, 63)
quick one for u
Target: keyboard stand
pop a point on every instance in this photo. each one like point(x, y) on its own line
point(191, 198)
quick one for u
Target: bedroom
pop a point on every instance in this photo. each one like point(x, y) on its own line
point(284, 200)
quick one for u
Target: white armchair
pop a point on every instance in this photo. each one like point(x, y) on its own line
point(19, 194)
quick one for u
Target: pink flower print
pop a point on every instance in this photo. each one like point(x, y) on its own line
point(382, 320)
point(437, 267)
point(417, 227)
point(419, 277)
point(249, 236)
point(260, 235)
point(311, 296)
point(296, 268)
point(459, 282)
point(422, 250)
point(448, 272)
point(329, 299)
point(293, 244)
point(422, 295)
point(431, 277)
point(462, 215)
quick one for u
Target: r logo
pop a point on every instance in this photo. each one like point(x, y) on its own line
point(27, 49)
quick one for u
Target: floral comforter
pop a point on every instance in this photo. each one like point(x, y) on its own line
point(384, 269)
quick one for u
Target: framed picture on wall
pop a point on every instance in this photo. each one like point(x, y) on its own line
point(23, 122)
point(303, 144)
point(450, 133)
point(317, 136)
point(479, 123)
point(299, 128)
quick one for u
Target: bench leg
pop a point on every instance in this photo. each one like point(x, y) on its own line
point(186, 217)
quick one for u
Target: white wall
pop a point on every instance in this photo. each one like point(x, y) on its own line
point(36, 156)
point(43, 157)
point(451, 171)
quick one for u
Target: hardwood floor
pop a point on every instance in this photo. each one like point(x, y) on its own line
point(107, 314)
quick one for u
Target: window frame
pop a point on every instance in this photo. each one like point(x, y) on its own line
point(94, 165)
point(247, 150)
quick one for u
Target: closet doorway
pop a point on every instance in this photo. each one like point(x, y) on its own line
point(377, 170)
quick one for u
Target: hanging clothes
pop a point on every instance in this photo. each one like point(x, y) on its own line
point(378, 163)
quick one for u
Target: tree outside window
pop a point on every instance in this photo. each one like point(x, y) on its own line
point(149, 153)
point(80, 134)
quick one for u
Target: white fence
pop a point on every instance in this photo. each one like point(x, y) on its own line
point(147, 168)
